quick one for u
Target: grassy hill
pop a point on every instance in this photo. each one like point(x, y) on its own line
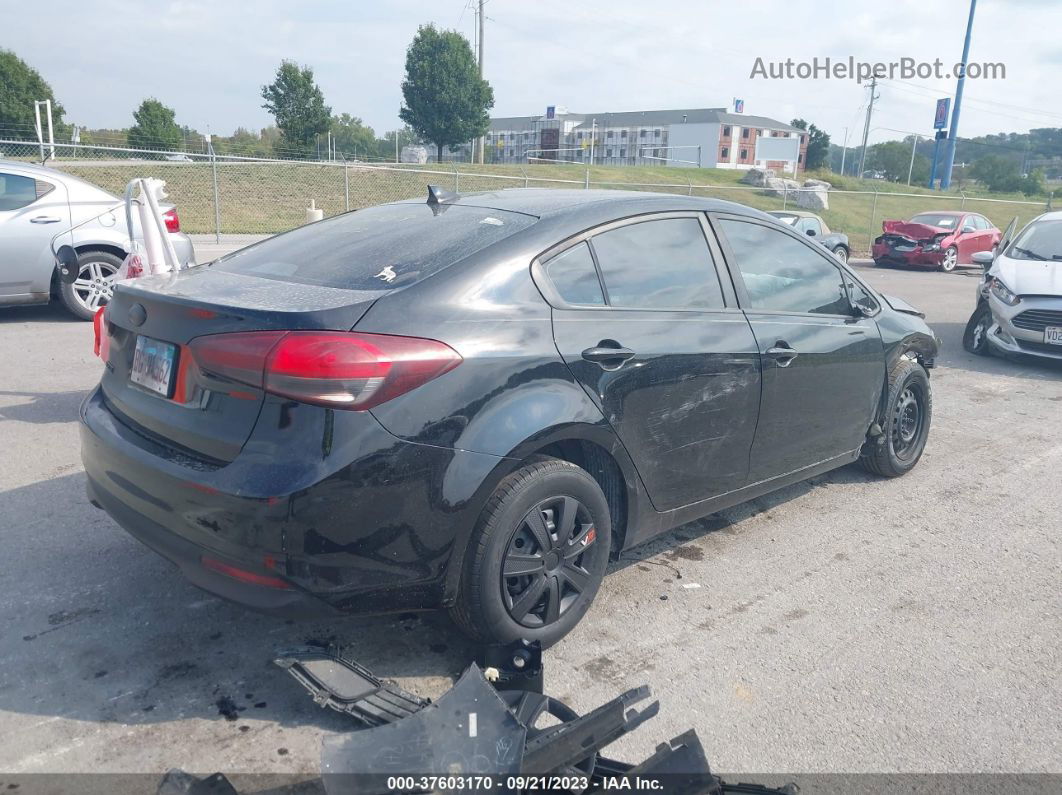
point(272, 196)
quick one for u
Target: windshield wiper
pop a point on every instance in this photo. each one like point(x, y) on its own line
point(1028, 254)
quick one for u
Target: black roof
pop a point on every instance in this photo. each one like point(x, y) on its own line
point(548, 203)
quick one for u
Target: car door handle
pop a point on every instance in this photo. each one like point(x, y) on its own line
point(782, 353)
point(607, 356)
point(45, 219)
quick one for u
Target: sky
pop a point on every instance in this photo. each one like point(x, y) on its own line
point(208, 60)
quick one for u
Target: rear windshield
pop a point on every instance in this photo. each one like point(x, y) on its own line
point(379, 248)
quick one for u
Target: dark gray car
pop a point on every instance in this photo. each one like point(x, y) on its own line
point(814, 227)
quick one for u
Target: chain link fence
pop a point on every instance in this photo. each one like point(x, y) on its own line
point(233, 195)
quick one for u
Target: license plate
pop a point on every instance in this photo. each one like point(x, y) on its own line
point(1053, 335)
point(153, 365)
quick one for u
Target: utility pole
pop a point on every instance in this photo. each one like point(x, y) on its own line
point(844, 150)
point(866, 125)
point(953, 133)
point(910, 168)
point(482, 140)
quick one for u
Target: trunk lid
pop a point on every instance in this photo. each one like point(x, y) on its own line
point(206, 415)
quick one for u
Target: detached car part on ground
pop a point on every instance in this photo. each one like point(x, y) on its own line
point(473, 403)
point(814, 227)
point(42, 209)
point(941, 240)
point(1019, 298)
point(508, 737)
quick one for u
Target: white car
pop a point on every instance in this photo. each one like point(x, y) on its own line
point(1019, 299)
point(42, 209)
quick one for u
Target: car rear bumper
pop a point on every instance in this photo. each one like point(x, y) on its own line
point(371, 526)
point(183, 248)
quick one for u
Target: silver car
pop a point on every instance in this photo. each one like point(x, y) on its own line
point(42, 209)
point(1019, 299)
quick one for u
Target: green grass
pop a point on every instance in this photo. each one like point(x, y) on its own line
point(272, 197)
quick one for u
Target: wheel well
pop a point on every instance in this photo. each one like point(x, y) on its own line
point(117, 251)
point(603, 468)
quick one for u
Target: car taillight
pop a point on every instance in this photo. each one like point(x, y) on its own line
point(347, 370)
point(173, 223)
point(102, 345)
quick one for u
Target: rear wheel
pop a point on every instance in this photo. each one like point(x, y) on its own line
point(905, 424)
point(536, 557)
point(951, 259)
point(975, 337)
point(94, 286)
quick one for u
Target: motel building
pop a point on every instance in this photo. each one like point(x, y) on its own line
point(691, 137)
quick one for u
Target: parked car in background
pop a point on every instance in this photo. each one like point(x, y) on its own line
point(941, 240)
point(1019, 300)
point(476, 402)
point(42, 209)
point(814, 227)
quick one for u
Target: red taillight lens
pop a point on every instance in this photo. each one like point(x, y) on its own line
point(102, 345)
point(346, 370)
point(173, 223)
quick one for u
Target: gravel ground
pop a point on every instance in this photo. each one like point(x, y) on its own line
point(842, 624)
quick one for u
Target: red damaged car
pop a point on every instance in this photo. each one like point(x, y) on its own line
point(934, 240)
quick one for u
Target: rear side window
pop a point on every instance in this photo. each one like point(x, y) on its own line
point(782, 274)
point(574, 276)
point(379, 248)
point(17, 191)
point(661, 264)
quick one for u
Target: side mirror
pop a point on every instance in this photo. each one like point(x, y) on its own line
point(967, 230)
point(66, 258)
point(810, 233)
point(983, 258)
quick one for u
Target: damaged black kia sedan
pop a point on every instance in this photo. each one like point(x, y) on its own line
point(476, 401)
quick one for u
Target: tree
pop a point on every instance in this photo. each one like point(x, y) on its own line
point(818, 144)
point(353, 139)
point(155, 127)
point(893, 159)
point(446, 101)
point(20, 86)
point(998, 173)
point(297, 104)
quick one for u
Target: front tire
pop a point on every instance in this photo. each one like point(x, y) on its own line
point(94, 287)
point(951, 259)
point(841, 253)
point(975, 337)
point(905, 425)
point(537, 556)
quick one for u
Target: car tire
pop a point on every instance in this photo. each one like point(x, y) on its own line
point(975, 337)
point(905, 424)
point(94, 286)
point(556, 578)
point(951, 259)
point(841, 253)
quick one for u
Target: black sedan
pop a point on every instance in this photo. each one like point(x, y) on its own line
point(474, 402)
point(814, 227)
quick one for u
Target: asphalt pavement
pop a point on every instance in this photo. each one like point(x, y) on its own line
point(845, 624)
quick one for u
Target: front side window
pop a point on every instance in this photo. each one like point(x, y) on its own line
point(16, 191)
point(782, 274)
point(574, 276)
point(659, 264)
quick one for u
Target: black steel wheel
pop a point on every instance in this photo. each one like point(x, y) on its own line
point(543, 575)
point(537, 556)
point(904, 426)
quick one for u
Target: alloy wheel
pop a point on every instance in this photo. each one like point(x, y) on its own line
point(94, 285)
point(841, 254)
point(951, 259)
point(544, 571)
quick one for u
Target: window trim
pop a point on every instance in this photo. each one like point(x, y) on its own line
point(554, 299)
point(730, 260)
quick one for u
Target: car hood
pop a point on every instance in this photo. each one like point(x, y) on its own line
point(913, 231)
point(902, 306)
point(1029, 277)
